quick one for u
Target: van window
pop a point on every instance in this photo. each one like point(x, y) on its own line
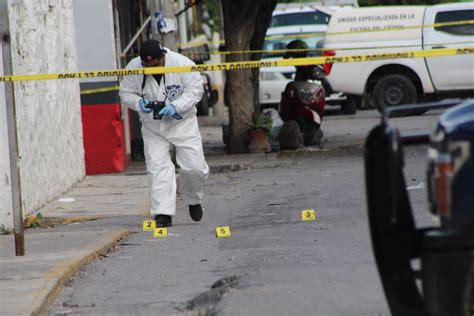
point(455, 16)
point(300, 18)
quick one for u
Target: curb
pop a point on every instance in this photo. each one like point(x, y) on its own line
point(54, 279)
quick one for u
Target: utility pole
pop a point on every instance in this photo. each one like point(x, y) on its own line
point(165, 7)
point(183, 32)
point(12, 132)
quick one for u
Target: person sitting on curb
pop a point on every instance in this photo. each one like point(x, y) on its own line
point(301, 113)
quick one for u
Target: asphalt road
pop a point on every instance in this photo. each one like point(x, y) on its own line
point(273, 264)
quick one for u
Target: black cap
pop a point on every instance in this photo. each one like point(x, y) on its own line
point(151, 49)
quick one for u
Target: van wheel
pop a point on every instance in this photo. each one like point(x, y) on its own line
point(394, 90)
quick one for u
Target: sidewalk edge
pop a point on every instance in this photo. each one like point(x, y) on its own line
point(55, 278)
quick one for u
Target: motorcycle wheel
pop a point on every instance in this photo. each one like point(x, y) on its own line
point(349, 106)
point(312, 135)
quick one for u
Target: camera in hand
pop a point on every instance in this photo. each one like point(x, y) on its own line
point(156, 106)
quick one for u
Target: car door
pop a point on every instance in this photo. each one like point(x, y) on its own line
point(450, 72)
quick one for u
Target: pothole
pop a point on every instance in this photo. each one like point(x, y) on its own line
point(206, 301)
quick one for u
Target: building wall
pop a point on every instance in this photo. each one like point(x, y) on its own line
point(48, 111)
point(95, 36)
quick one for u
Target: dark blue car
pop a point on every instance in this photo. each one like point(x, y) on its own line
point(446, 274)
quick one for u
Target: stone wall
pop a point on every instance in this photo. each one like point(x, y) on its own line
point(48, 111)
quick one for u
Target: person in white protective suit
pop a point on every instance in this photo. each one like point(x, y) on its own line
point(178, 127)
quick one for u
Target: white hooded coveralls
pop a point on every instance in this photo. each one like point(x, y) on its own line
point(184, 90)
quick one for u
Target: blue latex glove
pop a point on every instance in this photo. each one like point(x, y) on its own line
point(142, 104)
point(170, 110)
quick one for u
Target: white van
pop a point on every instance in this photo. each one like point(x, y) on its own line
point(401, 81)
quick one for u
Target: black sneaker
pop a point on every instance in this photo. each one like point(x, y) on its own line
point(195, 211)
point(163, 221)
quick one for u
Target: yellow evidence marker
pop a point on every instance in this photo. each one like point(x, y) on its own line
point(161, 232)
point(222, 231)
point(148, 226)
point(308, 215)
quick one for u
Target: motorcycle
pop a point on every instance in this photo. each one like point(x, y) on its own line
point(444, 283)
point(302, 105)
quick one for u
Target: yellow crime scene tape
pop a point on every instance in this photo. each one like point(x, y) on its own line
point(245, 64)
point(307, 35)
point(280, 51)
point(100, 90)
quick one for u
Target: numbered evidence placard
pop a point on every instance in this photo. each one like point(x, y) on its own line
point(308, 215)
point(160, 232)
point(149, 226)
point(222, 231)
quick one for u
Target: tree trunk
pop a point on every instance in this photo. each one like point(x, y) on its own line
point(245, 25)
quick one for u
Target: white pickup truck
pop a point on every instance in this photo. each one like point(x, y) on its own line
point(402, 81)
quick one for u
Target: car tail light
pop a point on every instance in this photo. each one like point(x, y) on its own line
point(443, 172)
point(328, 66)
point(443, 167)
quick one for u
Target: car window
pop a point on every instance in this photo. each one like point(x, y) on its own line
point(299, 18)
point(455, 16)
point(278, 42)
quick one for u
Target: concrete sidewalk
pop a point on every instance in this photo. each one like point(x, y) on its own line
point(29, 284)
